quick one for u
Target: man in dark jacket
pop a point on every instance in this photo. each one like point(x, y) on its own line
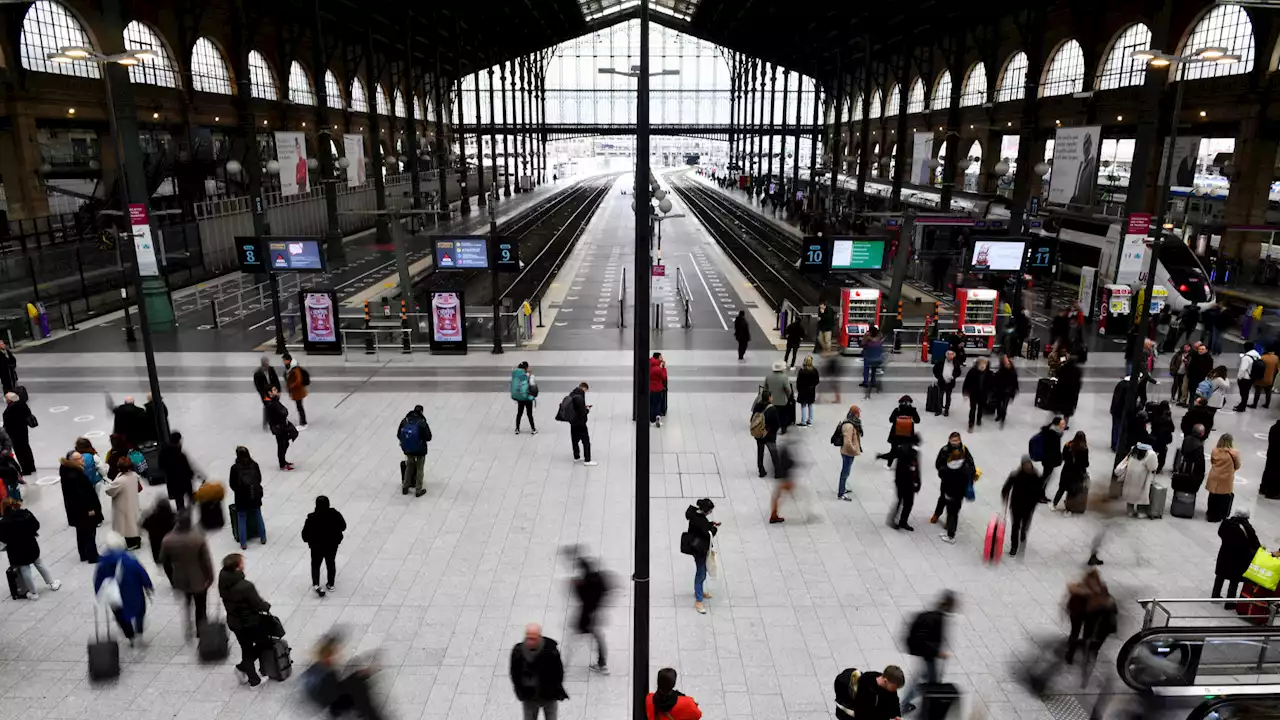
point(742, 333)
point(1066, 391)
point(322, 532)
point(1199, 366)
point(1188, 470)
point(795, 336)
point(591, 587)
point(413, 433)
point(1198, 414)
point(537, 674)
point(18, 531)
point(772, 423)
point(264, 379)
point(244, 615)
point(924, 640)
point(956, 470)
point(826, 326)
point(1050, 452)
point(281, 428)
point(133, 423)
point(977, 387)
point(876, 696)
point(184, 553)
point(1119, 396)
point(84, 509)
point(577, 419)
point(8, 368)
point(178, 475)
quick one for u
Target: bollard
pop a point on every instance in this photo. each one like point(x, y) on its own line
point(899, 313)
point(213, 306)
point(540, 313)
point(68, 318)
point(368, 337)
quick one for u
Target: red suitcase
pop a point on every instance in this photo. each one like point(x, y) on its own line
point(1255, 612)
point(993, 547)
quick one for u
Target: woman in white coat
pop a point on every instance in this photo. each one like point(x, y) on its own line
point(1137, 469)
point(125, 509)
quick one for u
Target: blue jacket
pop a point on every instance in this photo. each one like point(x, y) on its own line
point(520, 385)
point(134, 581)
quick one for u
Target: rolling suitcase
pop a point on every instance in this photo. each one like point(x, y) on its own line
point(937, 700)
point(933, 399)
point(277, 662)
point(151, 454)
point(1044, 390)
point(1255, 612)
point(17, 589)
point(1158, 499)
point(104, 655)
point(213, 644)
point(1184, 504)
point(1219, 506)
point(1077, 500)
point(250, 526)
point(993, 546)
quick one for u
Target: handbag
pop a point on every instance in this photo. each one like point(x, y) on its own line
point(713, 569)
point(109, 591)
point(1264, 570)
point(32, 421)
point(690, 544)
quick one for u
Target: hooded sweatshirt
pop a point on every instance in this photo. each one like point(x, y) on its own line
point(672, 704)
point(324, 527)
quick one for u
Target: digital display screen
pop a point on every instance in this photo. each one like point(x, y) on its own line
point(462, 253)
point(857, 254)
point(814, 256)
point(1041, 255)
point(997, 255)
point(294, 254)
point(319, 308)
point(249, 255)
point(508, 255)
point(448, 321)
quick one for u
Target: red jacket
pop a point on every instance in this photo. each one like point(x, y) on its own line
point(684, 709)
point(657, 376)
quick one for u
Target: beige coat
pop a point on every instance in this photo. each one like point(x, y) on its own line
point(1223, 464)
point(852, 446)
point(125, 509)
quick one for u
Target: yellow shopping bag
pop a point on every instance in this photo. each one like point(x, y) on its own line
point(1264, 570)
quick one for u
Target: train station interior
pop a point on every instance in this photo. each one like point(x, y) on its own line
point(670, 206)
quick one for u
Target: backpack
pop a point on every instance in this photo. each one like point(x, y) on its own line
point(1035, 448)
point(91, 469)
point(759, 428)
point(916, 635)
point(904, 426)
point(1204, 389)
point(837, 437)
point(566, 412)
point(846, 685)
point(410, 437)
point(306, 376)
point(1257, 369)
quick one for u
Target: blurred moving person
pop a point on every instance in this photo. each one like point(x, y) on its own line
point(667, 703)
point(158, 523)
point(1092, 611)
point(1074, 478)
point(925, 638)
point(1045, 447)
point(826, 326)
point(1270, 362)
point(537, 674)
point(185, 554)
point(701, 530)
point(1004, 388)
point(178, 473)
point(132, 586)
point(245, 608)
point(339, 695)
point(1021, 492)
point(322, 532)
point(592, 587)
point(902, 427)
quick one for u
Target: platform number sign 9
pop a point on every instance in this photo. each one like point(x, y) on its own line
point(250, 255)
point(816, 256)
point(508, 255)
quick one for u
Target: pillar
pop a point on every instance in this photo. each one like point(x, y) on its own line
point(1143, 180)
point(1254, 160)
point(760, 126)
point(773, 107)
point(795, 165)
point(752, 87)
point(733, 111)
point(375, 139)
point(334, 249)
point(542, 103)
point(441, 145)
point(412, 150)
point(813, 147)
point(1030, 138)
point(988, 181)
point(464, 197)
point(900, 169)
point(493, 136)
point(782, 134)
point(864, 133)
point(20, 161)
point(953, 138)
point(516, 121)
point(526, 101)
point(506, 137)
point(837, 156)
point(481, 200)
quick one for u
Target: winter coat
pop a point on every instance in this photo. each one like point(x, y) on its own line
point(1270, 486)
point(779, 388)
point(520, 385)
point(1022, 490)
point(244, 605)
point(827, 320)
point(657, 376)
point(926, 634)
point(178, 475)
point(324, 528)
point(945, 373)
point(977, 385)
point(277, 417)
point(1192, 456)
point(424, 430)
point(293, 381)
point(700, 527)
point(18, 531)
point(1197, 415)
point(807, 380)
point(133, 580)
point(1162, 428)
point(265, 379)
point(741, 329)
point(1219, 388)
point(123, 491)
point(186, 556)
point(580, 409)
point(674, 705)
point(79, 496)
point(246, 484)
point(1271, 361)
point(954, 480)
point(158, 524)
point(545, 669)
point(1198, 368)
point(906, 468)
point(851, 431)
point(1239, 545)
point(1052, 442)
point(772, 421)
point(1119, 396)
point(1066, 392)
point(133, 423)
point(1223, 464)
point(795, 335)
point(95, 467)
point(1137, 473)
point(1075, 467)
point(1004, 383)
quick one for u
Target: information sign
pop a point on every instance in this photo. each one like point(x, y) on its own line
point(294, 254)
point(250, 255)
point(851, 253)
point(461, 252)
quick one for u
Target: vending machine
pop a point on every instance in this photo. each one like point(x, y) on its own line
point(1115, 310)
point(860, 309)
point(977, 316)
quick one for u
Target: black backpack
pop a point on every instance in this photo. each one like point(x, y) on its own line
point(306, 376)
point(566, 413)
point(1257, 369)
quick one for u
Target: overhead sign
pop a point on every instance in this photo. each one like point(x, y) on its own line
point(850, 253)
point(815, 257)
point(294, 254)
point(320, 320)
point(1042, 254)
point(250, 255)
point(469, 252)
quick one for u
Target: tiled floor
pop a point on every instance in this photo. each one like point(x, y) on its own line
point(443, 585)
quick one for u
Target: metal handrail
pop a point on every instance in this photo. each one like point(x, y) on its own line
point(686, 299)
point(1150, 605)
point(622, 299)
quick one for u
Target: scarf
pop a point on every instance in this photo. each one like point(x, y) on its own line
point(856, 421)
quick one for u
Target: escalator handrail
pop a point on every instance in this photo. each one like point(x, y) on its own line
point(1126, 650)
point(1208, 707)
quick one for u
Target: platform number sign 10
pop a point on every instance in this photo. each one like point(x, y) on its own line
point(816, 257)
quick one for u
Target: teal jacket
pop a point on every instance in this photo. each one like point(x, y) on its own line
point(520, 386)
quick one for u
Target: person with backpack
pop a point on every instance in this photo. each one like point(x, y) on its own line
point(1270, 362)
point(956, 472)
point(1252, 370)
point(296, 380)
point(95, 466)
point(245, 608)
point(245, 479)
point(780, 394)
point(848, 437)
point(902, 427)
point(925, 639)
point(696, 542)
point(283, 430)
point(1219, 388)
point(765, 422)
point(807, 379)
point(667, 703)
point(413, 433)
point(869, 695)
point(1021, 494)
point(322, 532)
point(574, 410)
point(1045, 447)
point(184, 552)
point(592, 587)
point(977, 388)
point(523, 392)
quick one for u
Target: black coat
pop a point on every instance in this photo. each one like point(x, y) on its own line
point(18, 531)
point(323, 529)
point(265, 379)
point(1270, 486)
point(1198, 415)
point(244, 605)
point(741, 329)
point(700, 527)
point(977, 385)
point(277, 417)
point(1066, 392)
point(806, 385)
point(1118, 398)
point(1239, 544)
point(1052, 440)
point(795, 335)
point(906, 468)
point(1022, 490)
point(134, 424)
point(1075, 463)
point(1004, 382)
point(954, 481)
point(903, 410)
point(591, 589)
point(246, 484)
point(772, 420)
point(79, 497)
point(178, 475)
point(547, 671)
point(1192, 457)
point(1198, 368)
point(8, 370)
point(580, 409)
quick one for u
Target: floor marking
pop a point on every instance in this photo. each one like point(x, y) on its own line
point(58, 409)
point(94, 433)
point(49, 480)
point(83, 418)
point(719, 317)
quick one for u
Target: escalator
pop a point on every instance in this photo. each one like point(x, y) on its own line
point(1238, 707)
point(1189, 662)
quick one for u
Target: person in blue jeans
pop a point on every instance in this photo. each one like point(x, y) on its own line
point(850, 447)
point(246, 483)
point(872, 356)
point(701, 529)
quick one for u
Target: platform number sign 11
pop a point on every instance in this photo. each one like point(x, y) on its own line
point(816, 257)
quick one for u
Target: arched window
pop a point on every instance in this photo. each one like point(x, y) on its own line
point(208, 70)
point(894, 101)
point(359, 101)
point(1066, 71)
point(300, 90)
point(971, 172)
point(915, 99)
point(942, 92)
point(1121, 69)
point(380, 100)
point(332, 91)
point(855, 109)
point(974, 91)
point(47, 28)
point(262, 82)
point(397, 104)
point(1013, 81)
point(419, 112)
point(1225, 26)
point(156, 71)
point(873, 113)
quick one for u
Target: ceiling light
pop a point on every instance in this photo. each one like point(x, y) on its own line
point(1202, 113)
point(1119, 118)
point(1228, 60)
point(1057, 122)
point(264, 122)
point(216, 118)
point(1143, 55)
point(970, 127)
point(146, 54)
point(304, 124)
point(1160, 62)
point(71, 111)
point(155, 115)
point(59, 58)
point(127, 61)
point(75, 52)
point(1010, 124)
point(1211, 53)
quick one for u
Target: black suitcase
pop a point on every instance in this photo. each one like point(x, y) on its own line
point(277, 663)
point(250, 526)
point(1185, 483)
point(151, 454)
point(17, 589)
point(1044, 391)
point(937, 700)
point(213, 645)
point(1077, 501)
point(104, 655)
point(933, 399)
point(1184, 504)
point(1219, 506)
point(211, 516)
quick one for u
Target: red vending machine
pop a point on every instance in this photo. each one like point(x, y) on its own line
point(859, 310)
point(977, 316)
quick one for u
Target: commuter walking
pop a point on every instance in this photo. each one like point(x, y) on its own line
point(1004, 388)
point(795, 336)
point(283, 430)
point(742, 333)
point(956, 472)
point(1066, 391)
point(902, 427)
point(1251, 370)
point(322, 532)
point(977, 388)
point(1239, 544)
point(925, 640)
point(339, 695)
point(84, 510)
point(264, 380)
point(184, 553)
point(125, 508)
point(850, 448)
point(128, 601)
point(906, 481)
point(523, 392)
point(414, 433)
point(537, 674)
point(18, 422)
point(296, 380)
point(807, 379)
point(574, 410)
point(245, 608)
point(1092, 612)
point(1021, 493)
point(826, 326)
point(1270, 362)
point(765, 422)
point(657, 388)
point(178, 474)
point(18, 531)
point(1045, 448)
point(698, 545)
point(1074, 478)
point(1137, 470)
point(780, 394)
point(95, 467)
point(667, 703)
point(245, 479)
point(872, 357)
point(592, 587)
point(157, 523)
point(946, 373)
point(1224, 463)
point(8, 369)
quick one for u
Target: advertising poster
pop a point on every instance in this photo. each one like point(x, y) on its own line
point(448, 322)
point(997, 255)
point(320, 320)
point(294, 254)
point(1133, 254)
point(291, 153)
point(1075, 165)
point(140, 228)
point(353, 149)
point(921, 152)
point(1088, 277)
point(1185, 152)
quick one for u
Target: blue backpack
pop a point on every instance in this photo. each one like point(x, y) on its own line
point(411, 440)
point(91, 468)
point(1204, 389)
point(1035, 448)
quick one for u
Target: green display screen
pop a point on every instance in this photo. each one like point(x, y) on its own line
point(857, 254)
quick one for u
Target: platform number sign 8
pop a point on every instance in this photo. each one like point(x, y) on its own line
point(250, 255)
point(816, 257)
point(508, 256)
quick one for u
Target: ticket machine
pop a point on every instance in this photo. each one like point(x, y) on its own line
point(977, 316)
point(1115, 310)
point(859, 310)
